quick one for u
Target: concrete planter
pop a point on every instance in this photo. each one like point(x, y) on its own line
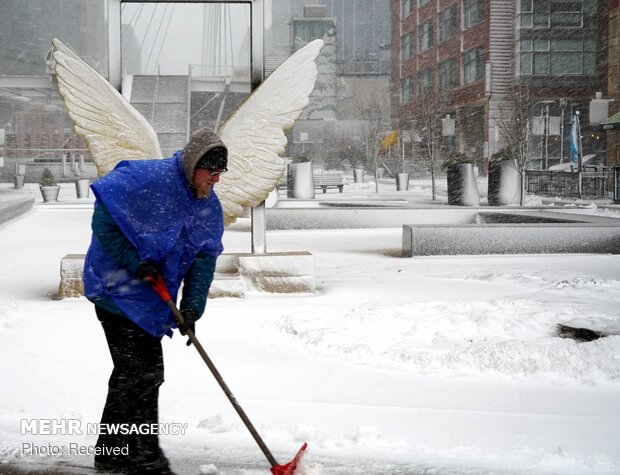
point(402, 181)
point(358, 175)
point(50, 193)
point(300, 181)
point(82, 187)
point(462, 186)
point(504, 183)
point(18, 181)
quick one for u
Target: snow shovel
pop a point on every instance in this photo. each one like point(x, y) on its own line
point(276, 469)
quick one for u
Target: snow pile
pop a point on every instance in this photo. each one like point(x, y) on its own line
point(600, 285)
point(362, 437)
point(521, 279)
point(539, 281)
point(9, 313)
point(215, 424)
point(591, 209)
point(508, 337)
point(209, 469)
point(357, 187)
point(533, 201)
point(556, 462)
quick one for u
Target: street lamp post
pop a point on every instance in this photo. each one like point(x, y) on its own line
point(579, 146)
point(546, 131)
point(303, 137)
point(563, 103)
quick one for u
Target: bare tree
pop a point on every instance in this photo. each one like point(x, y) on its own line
point(430, 108)
point(373, 127)
point(513, 119)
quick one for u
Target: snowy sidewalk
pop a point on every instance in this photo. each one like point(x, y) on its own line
point(446, 365)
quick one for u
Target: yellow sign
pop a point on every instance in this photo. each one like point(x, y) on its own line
point(390, 139)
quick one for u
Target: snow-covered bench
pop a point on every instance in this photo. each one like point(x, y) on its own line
point(328, 180)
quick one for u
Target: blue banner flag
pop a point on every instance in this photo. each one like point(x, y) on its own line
point(573, 139)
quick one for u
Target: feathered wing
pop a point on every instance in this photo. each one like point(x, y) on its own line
point(113, 129)
point(254, 133)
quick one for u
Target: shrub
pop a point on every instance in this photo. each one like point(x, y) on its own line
point(455, 159)
point(303, 158)
point(502, 154)
point(47, 178)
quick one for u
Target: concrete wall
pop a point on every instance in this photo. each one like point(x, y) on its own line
point(474, 239)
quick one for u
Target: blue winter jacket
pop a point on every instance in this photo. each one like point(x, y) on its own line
point(146, 210)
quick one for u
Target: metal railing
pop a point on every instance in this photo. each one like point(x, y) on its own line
point(616, 185)
point(596, 182)
point(363, 67)
point(207, 71)
point(55, 154)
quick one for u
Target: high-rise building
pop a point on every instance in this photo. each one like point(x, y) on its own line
point(478, 50)
point(613, 80)
point(354, 70)
point(362, 32)
point(363, 35)
point(26, 38)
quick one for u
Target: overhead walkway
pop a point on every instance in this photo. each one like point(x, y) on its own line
point(165, 102)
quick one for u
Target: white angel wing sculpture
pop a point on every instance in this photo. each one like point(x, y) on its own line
point(112, 128)
point(253, 134)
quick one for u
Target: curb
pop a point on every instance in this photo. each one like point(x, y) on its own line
point(12, 209)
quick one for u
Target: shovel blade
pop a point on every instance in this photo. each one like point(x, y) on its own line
point(289, 468)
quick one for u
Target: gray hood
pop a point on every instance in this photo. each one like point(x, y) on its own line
point(200, 142)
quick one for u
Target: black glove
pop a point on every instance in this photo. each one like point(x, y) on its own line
point(190, 317)
point(148, 273)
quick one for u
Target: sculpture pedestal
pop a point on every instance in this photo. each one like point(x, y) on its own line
point(235, 274)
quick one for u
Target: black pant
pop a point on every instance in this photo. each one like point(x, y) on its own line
point(133, 390)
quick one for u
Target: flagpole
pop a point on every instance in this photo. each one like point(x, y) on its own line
point(376, 170)
point(579, 153)
point(402, 157)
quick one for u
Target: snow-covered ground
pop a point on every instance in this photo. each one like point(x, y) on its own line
point(394, 366)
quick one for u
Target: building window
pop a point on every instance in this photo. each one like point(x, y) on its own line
point(405, 8)
point(554, 13)
point(406, 47)
point(566, 14)
point(590, 6)
point(528, 11)
point(425, 82)
point(447, 75)
point(473, 12)
point(473, 65)
point(447, 23)
point(405, 89)
point(425, 35)
point(310, 29)
point(558, 56)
